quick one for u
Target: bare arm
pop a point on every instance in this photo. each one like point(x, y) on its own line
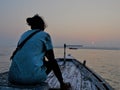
point(54, 66)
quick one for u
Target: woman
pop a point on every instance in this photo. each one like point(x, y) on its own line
point(28, 65)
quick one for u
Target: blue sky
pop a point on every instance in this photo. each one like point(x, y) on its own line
point(87, 22)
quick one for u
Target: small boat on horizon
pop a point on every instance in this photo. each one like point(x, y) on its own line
point(73, 48)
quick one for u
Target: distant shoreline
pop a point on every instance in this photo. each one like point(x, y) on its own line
point(100, 48)
point(84, 47)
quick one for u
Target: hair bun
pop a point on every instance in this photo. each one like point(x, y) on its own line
point(36, 21)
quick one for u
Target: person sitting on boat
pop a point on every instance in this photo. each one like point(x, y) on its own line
point(28, 66)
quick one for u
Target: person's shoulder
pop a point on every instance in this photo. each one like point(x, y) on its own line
point(45, 33)
point(27, 31)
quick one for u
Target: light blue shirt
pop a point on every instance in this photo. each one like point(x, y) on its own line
point(27, 65)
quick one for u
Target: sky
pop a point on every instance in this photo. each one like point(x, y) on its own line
point(86, 22)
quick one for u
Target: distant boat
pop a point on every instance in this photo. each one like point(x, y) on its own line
point(73, 48)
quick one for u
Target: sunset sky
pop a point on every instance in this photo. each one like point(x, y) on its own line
point(87, 22)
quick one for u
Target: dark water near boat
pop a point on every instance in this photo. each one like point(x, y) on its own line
point(104, 62)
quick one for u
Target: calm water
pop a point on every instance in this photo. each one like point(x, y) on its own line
point(105, 62)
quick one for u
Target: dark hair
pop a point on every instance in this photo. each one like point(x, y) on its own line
point(36, 22)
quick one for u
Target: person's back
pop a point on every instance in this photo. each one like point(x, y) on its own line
point(29, 60)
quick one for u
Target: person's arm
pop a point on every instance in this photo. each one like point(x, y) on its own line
point(53, 63)
point(54, 66)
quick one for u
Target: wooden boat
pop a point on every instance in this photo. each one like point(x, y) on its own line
point(78, 74)
point(73, 71)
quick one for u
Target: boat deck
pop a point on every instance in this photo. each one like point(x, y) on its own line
point(79, 76)
point(71, 73)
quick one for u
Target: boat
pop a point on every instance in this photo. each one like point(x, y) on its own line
point(77, 73)
point(73, 48)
